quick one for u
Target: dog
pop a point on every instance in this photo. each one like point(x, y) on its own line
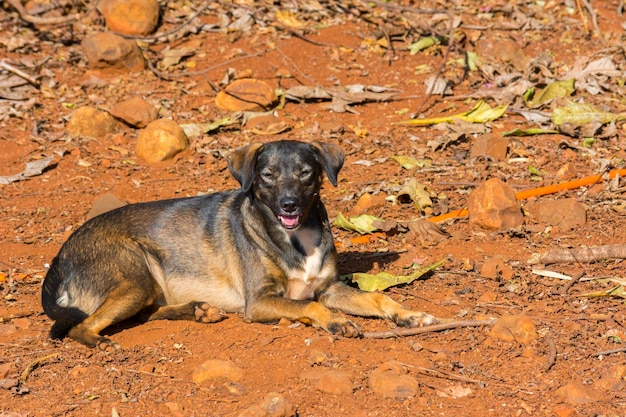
point(265, 250)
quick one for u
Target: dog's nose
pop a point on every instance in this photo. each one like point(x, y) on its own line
point(289, 204)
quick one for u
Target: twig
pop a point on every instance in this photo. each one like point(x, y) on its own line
point(609, 352)
point(428, 329)
point(34, 364)
point(18, 72)
point(27, 17)
point(575, 279)
point(551, 352)
point(443, 374)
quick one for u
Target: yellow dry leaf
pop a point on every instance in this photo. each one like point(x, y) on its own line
point(288, 19)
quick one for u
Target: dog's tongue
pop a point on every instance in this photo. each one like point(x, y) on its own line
point(289, 221)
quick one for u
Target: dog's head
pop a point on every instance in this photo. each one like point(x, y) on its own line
point(286, 176)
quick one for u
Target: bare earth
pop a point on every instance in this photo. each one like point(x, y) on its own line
point(560, 368)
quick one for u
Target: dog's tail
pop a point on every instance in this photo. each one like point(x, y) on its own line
point(65, 317)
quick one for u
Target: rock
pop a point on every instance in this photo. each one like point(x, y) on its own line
point(104, 203)
point(162, 139)
point(493, 206)
point(135, 112)
point(495, 268)
point(567, 171)
point(246, 94)
point(274, 405)
point(92, 123)
point(5, 368)
point(506, 50)
point(490, 145)
point(175, 409)
point(105, 50)
point(330, 381)
point(567, 214)
point(367, 203)
point(514, 328)
point(215, 369)
point(613, 378)
point(391, 380)
point(130, 17)
point(577, 393)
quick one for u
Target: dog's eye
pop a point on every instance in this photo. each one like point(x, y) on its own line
point(306, 172)
point(267, 175)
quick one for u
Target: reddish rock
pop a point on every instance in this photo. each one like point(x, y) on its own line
point(566, 214)
point(514, 328)
point(162, 139)
point(90, 122)
point(577, 393)
point(105, 50)
point(136, 112)
point(274, 405)
point(246, 94)
point(493, 206)
point(490, 145)
point(215, 369)
point(130, 17)
point(330, 381)
point(391, 380)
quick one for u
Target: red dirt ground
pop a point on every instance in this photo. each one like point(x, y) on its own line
point(464, 371)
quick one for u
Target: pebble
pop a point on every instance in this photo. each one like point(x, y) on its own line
point(162, 139)
point(577, 393)
point(105, 50)
point(22, 323)
point(246, 94)
point(135, 112)
point(7, 329)
point(564, 411)
point(330, 381)
point(274, 405)
point(90, 122)
point(5, 368)
point(391, 380)
point(106, 202)
point(216, 369)
point(130, 17)
point(514, 328)
point(613, 378)
point(496, 268)
point(493, 206)
point(175, 409)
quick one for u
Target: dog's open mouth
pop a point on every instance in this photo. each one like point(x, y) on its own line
point(289, 221)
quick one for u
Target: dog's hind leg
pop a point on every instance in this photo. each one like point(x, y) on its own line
point(195, 311)
point(121, 303)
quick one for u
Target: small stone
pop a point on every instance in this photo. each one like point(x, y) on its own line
point(567, 172)
point(135, 112)
point(390, 380)
point(567, 214)
point(246, 94)
point(577, 393)
point(487, 297)
point(490, 145)
point(493, 206)
point(130, 17)
point(7, 329)
point(330, 381)
point(105, 50)
point(106, 202)
point(175, 409)
point(90, 122)
point(514, 328)
point(215, 369)
point(274, 405)
point(162, 139)
point(21, 323)
point(5, 368)
point(367, 203)
point(564, 411)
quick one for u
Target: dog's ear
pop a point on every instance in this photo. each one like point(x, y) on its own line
point(242, 164)
point(332, 159)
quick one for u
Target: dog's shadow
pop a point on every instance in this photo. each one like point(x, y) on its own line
point(357, 261)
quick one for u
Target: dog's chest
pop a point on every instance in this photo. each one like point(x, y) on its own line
point(313, 271)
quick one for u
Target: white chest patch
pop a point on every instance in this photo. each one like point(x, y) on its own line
point(304, 281)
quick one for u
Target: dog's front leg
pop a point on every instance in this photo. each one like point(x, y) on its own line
point(349, 300)
point(270, 308)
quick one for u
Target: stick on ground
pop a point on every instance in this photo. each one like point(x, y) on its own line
point(428, 329)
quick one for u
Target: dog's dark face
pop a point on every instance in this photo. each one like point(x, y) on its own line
point(286, 176)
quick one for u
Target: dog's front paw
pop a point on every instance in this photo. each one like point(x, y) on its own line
point(206, 313)
point(107, 345)
point(415, 319)
point(343, 327)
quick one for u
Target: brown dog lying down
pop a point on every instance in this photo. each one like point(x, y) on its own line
point(265, 250)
